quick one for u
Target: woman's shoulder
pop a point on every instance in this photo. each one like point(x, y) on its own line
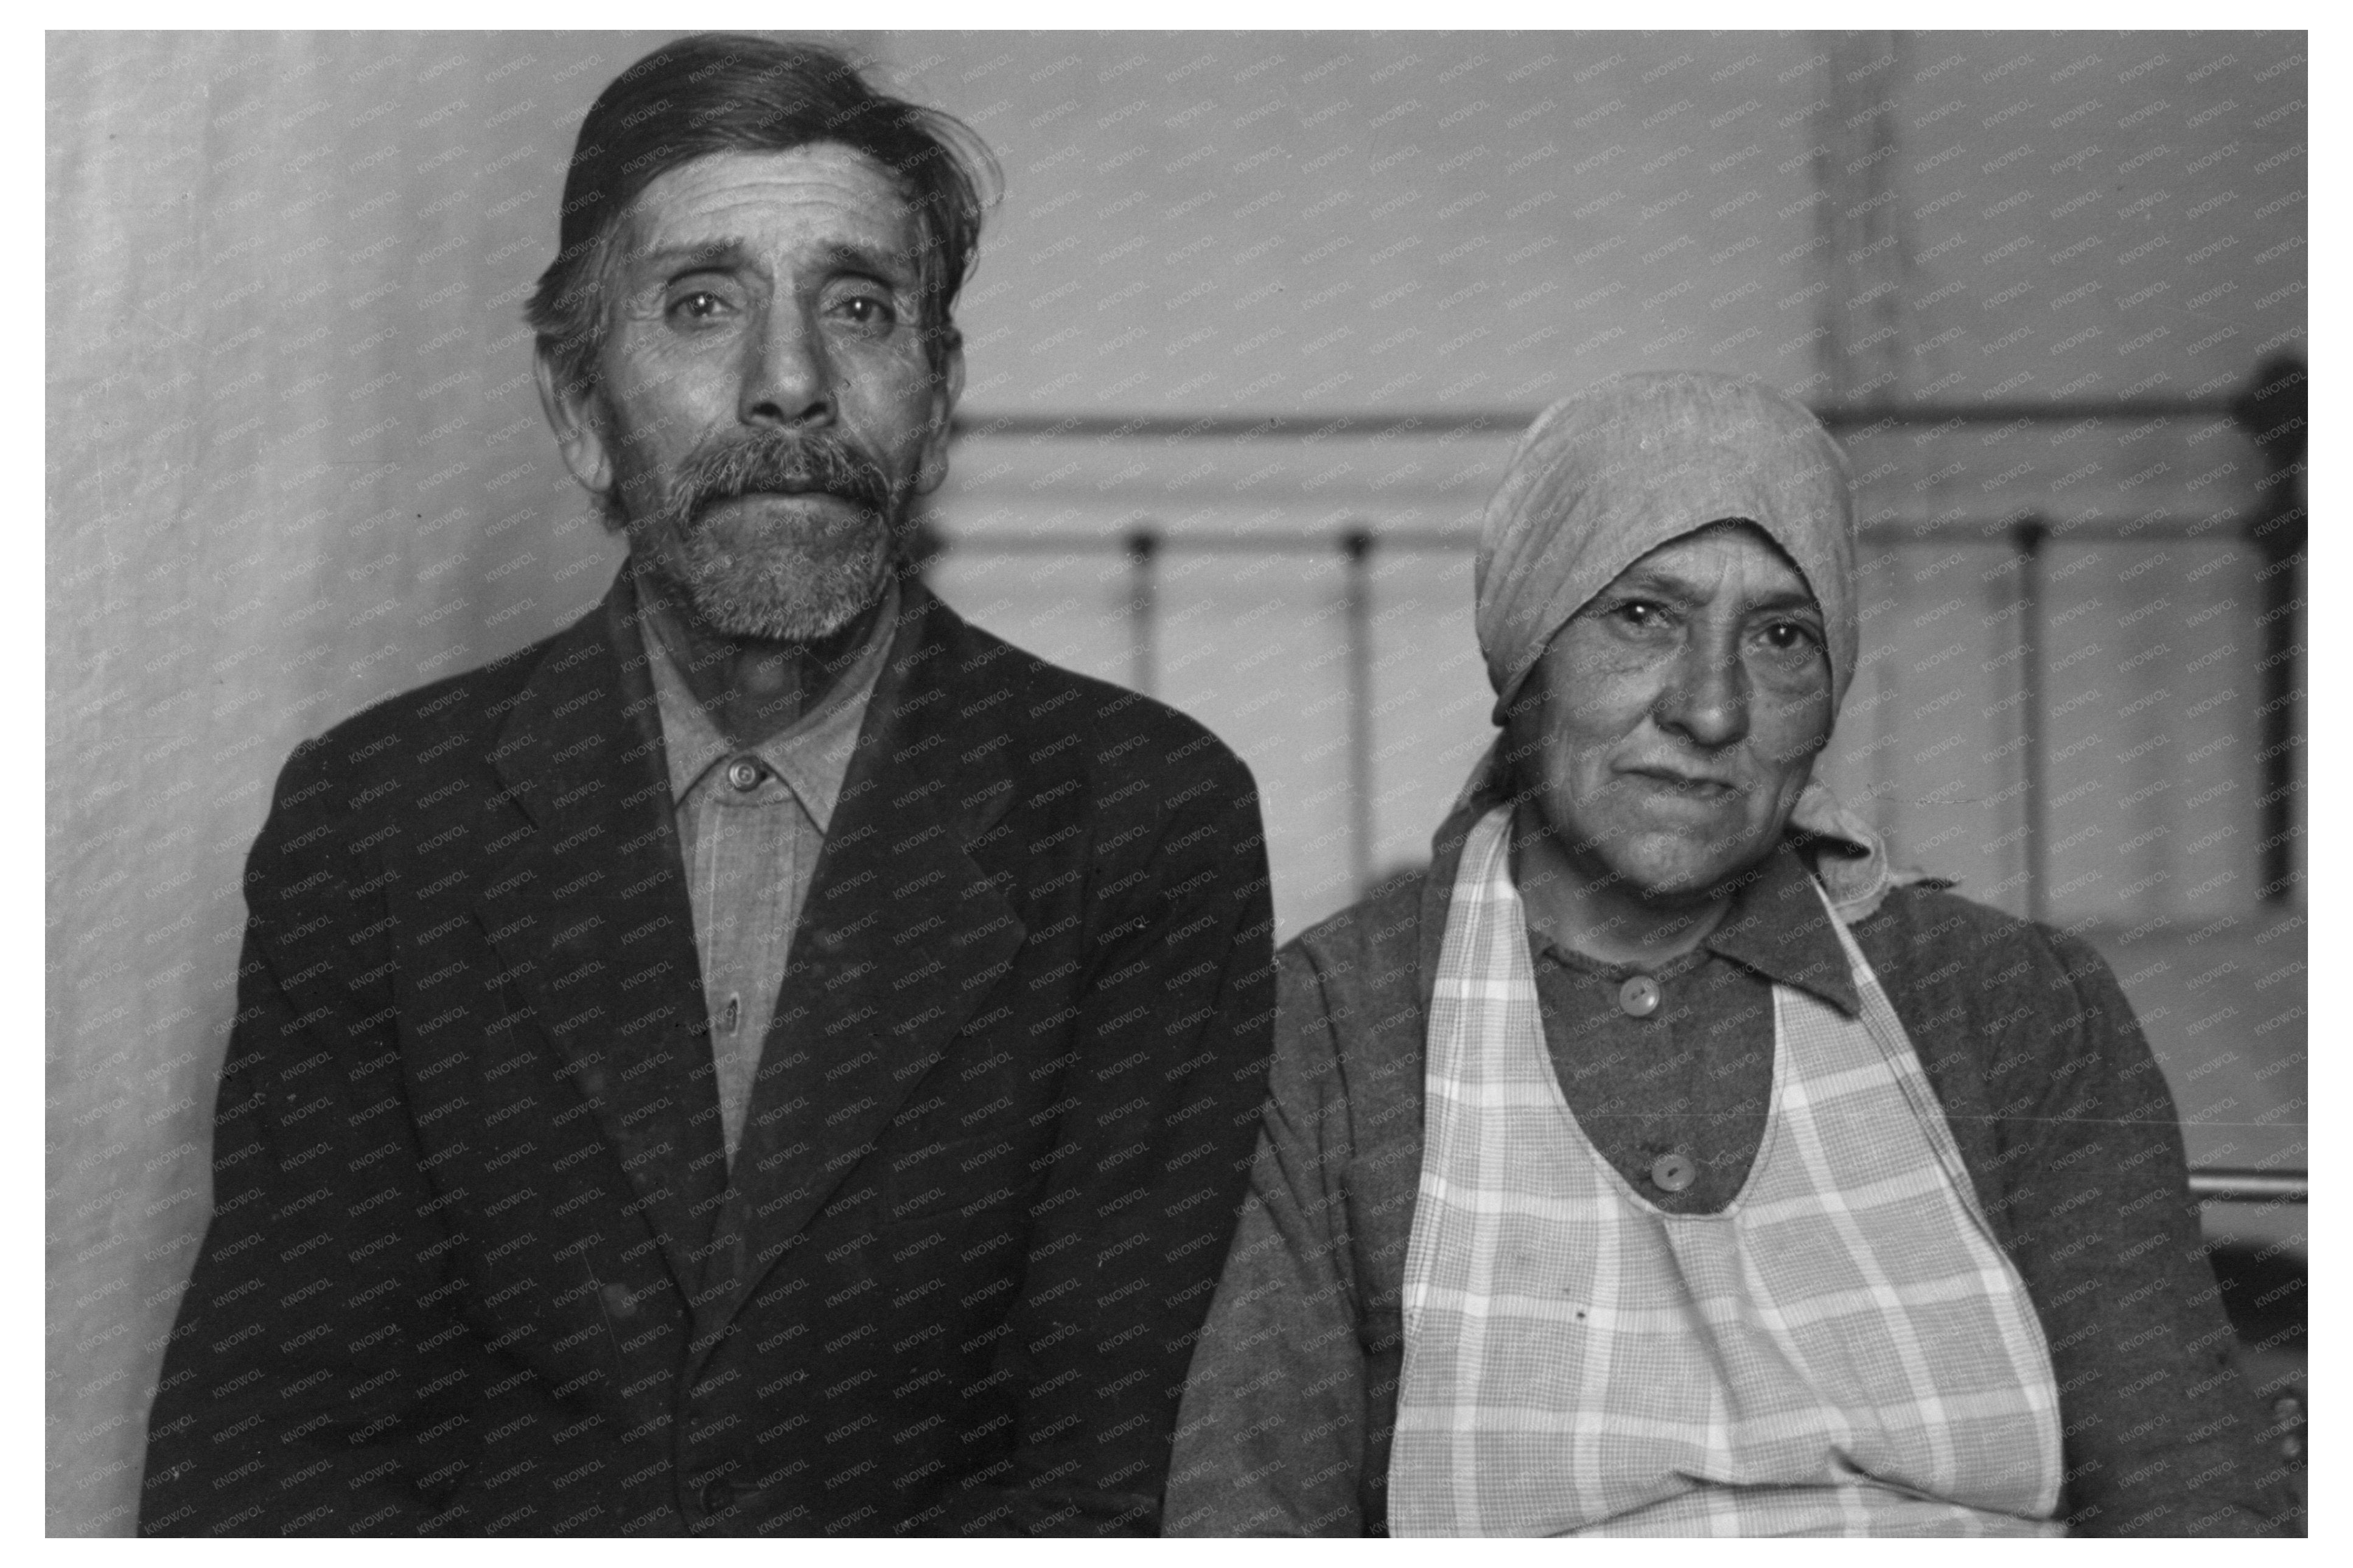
point(1930, 933)
point(1348, 1010)
point(1989, 998)
point(1374, 944)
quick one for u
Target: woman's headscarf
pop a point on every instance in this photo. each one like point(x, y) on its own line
point(1604, 477)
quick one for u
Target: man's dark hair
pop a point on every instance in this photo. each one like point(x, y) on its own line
point(719, 92)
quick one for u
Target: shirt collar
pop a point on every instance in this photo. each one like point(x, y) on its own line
point(811, 754)
point(1780, 928)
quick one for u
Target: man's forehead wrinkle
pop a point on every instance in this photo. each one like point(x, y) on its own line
point(896, 266)
point(850, 256)
point(699, 253)
point(700, 206)
point(820, 169)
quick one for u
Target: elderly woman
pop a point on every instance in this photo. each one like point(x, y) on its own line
point(1661, 1163)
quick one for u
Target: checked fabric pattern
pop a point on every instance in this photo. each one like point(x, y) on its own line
point(1843, 1351)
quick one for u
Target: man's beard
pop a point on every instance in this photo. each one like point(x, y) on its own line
point(788, 581)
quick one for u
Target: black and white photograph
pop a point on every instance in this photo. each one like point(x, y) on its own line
point(920, 783)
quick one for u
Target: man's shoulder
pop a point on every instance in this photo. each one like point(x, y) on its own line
point(1120, 733)
point(445, 725)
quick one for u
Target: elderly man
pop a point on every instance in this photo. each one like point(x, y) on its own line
point(1662, 1164)
point(771, 1057)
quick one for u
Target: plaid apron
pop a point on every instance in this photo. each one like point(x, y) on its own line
point(1844, 1351)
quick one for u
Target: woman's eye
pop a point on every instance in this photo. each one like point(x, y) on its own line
point(1788, 636)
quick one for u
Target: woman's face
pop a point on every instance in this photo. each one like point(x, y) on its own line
point(1670, 724)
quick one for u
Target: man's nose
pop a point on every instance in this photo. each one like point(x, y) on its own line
point(1706, 694)
point(787, 376)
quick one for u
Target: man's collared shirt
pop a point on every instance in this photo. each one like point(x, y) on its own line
point(751, 824)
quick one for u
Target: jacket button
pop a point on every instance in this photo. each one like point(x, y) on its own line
point(619, 1302)
point(718, 1494)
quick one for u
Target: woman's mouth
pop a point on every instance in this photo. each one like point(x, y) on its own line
point(1675, 784)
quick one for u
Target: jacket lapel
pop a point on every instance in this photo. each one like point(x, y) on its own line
point(853, 1033)
point(589, 914)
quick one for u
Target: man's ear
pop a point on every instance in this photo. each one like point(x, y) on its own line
point(947, 386)
point(572, 415)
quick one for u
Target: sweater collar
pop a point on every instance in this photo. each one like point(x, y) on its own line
point(1780, 927)
point(1777, 926)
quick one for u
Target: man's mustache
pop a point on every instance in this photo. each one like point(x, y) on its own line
point(776, 463)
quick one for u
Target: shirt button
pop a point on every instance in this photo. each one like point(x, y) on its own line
point(717, 1495)
point(619, 1302)
point(744, 774)
point(1672, 1172)
point(1638, 997)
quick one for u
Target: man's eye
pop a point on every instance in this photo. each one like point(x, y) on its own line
point(867, 310)
point(701, 305)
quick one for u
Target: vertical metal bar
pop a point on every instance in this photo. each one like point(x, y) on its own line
point(1143, 609)
point(1866, 247)
point(2271, 413)
point(1357, 544)
point(2027, 536)
point(2282, 601)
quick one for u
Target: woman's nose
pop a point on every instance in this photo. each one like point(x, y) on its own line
point(1706, 694)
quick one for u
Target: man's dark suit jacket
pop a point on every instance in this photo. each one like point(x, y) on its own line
point(475, 1262)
